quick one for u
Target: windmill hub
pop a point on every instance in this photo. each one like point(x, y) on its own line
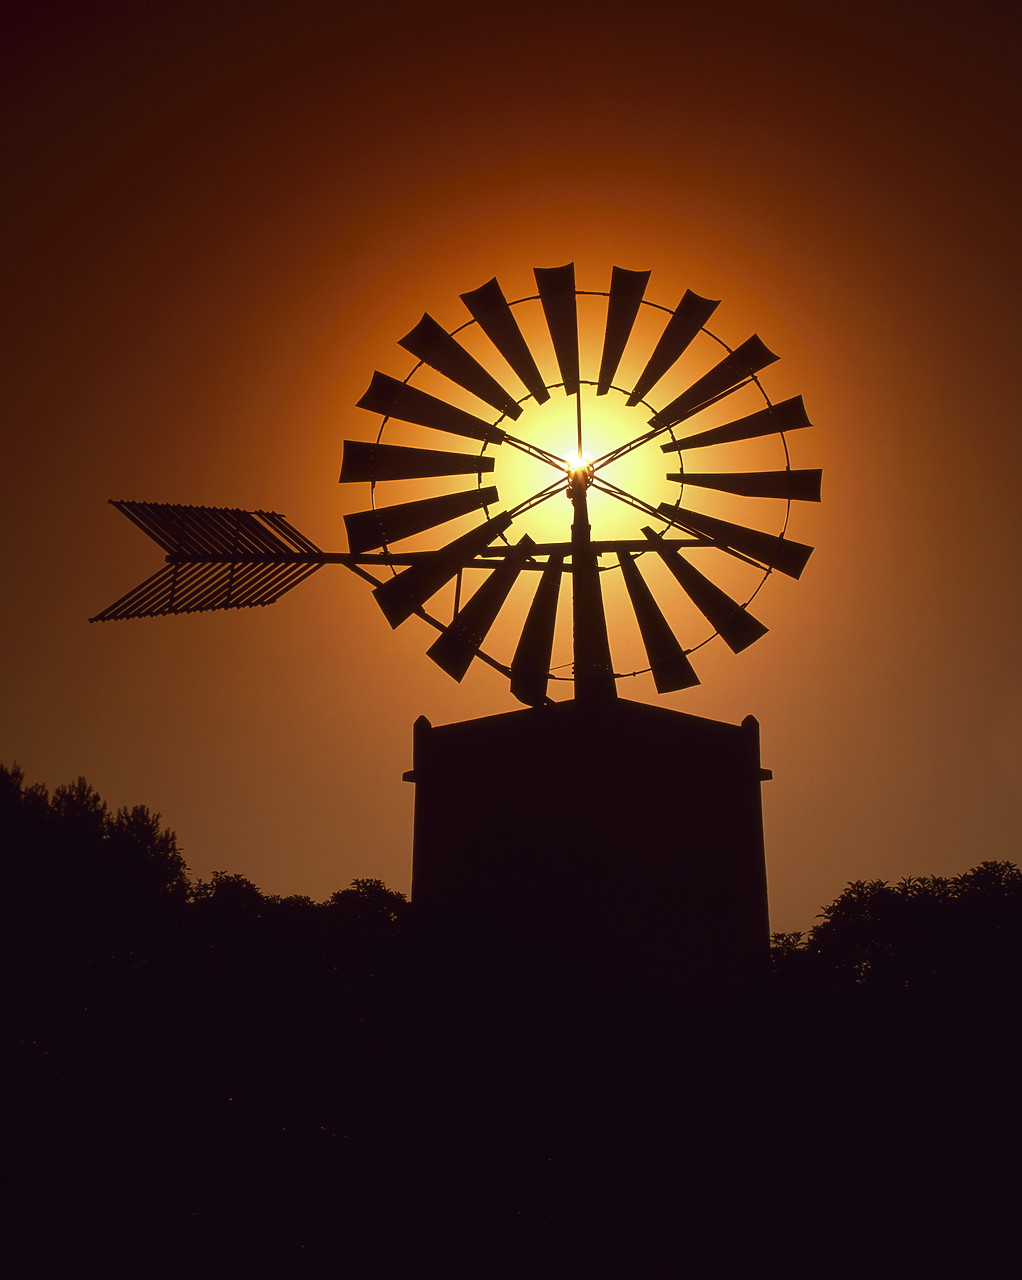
point(580, 476)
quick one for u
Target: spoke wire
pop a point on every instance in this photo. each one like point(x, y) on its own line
point(541, 495)
point(534, 451)
point(654, 432)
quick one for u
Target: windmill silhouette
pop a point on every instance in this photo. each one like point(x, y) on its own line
point(223, 558)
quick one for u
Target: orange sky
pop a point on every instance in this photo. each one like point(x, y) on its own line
point(219, 221)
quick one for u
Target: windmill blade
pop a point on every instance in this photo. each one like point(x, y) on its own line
point(796, 486)
point(408, 404)
point(735, 625)
point(789, 415)
point(434, 346)
point(454, 649)
point(667, 659)
point(200, 586)
point(409, 590)
point(626, 290)
point(783, 554)
point(557, 294)
point(361, 461)
point(375, 528)
point(734, 369)
point(530, 667)
point(490, 309)
point(688, 318)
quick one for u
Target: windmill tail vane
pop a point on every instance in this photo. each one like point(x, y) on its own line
point(227, 558)
point(217, 558)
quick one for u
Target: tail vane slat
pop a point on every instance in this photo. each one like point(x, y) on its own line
point(219, 558)
point(191, 532)
point(288, 532)
point(199, 586)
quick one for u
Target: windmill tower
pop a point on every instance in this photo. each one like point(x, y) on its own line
point(641, 825)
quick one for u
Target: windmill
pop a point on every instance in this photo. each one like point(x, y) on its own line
point(452, 545)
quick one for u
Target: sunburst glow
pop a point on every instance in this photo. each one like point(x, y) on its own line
point(596, 416)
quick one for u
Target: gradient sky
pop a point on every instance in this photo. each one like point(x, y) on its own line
point(219, 219)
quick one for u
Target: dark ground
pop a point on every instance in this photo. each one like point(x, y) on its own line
point(206, 1080)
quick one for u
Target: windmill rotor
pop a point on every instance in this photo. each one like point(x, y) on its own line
point(472, 459)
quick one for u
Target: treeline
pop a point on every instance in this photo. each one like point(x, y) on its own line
point(942, 936)
point(121, 867)
point(207, 1078)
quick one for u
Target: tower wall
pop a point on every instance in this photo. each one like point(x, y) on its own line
point(621, 832)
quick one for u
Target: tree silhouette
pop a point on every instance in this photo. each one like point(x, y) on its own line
point(925, 935)
point(369, 903)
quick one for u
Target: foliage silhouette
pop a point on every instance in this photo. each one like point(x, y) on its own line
point(369, 902)
point(940, 936)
